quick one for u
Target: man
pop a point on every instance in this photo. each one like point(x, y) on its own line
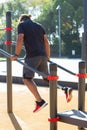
point(34, 38)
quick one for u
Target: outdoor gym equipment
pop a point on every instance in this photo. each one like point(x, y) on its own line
point(74, 117)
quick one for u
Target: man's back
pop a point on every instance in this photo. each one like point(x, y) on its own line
point(33, 38)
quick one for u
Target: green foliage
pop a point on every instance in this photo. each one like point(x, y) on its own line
point(38, 2)
point(46, 17)
point(71, 20)
point(17, 8)
point(75, 3)
point(71, 43)
point(79, 16)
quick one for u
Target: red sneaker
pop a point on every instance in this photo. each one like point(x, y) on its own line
point(68, 92)
point(40, 105)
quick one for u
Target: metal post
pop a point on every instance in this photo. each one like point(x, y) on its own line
point(59, 29)
point(83, 54)
point(9, 73)
point(53, 96)
point(81, 89)
point(85, 29)
point(59, 36)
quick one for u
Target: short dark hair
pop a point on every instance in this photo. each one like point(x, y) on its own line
point(24, 17)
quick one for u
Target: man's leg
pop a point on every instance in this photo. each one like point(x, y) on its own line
point(40, 103)
point(33, 88)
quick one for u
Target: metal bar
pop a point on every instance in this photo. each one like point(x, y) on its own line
point(14, 43)
point(53, 96)
point(85, 29)
point(9, 66)
point(53, 62)
point(81, 89)
point(63, 68)
point(59, 28)
point(30, 68)
point(59, 33)
point(83, 47)
point(74, 117)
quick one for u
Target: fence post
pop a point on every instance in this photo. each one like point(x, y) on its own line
point(53, 96)
point(81, 89)
point(9, 67)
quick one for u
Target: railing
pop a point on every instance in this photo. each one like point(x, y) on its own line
point(30, 68)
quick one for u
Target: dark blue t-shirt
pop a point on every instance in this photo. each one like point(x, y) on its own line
point(33, 38)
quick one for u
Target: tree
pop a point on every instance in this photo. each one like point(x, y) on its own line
point(71, 21)
point(17, 8)
point(70, 33)
point(47, 15)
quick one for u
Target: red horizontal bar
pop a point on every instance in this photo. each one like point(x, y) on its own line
point(8, 29)
point(82, 75)
point(8, 42)
point(53, 119)
point(52, 77)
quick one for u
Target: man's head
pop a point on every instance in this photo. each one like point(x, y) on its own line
point(24, 17)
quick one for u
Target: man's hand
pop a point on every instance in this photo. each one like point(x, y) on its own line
point(14, 57)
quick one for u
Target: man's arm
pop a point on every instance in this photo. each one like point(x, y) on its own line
point(19, 44)
point(47, 46)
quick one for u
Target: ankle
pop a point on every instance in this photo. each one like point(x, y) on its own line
point(40, 100)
